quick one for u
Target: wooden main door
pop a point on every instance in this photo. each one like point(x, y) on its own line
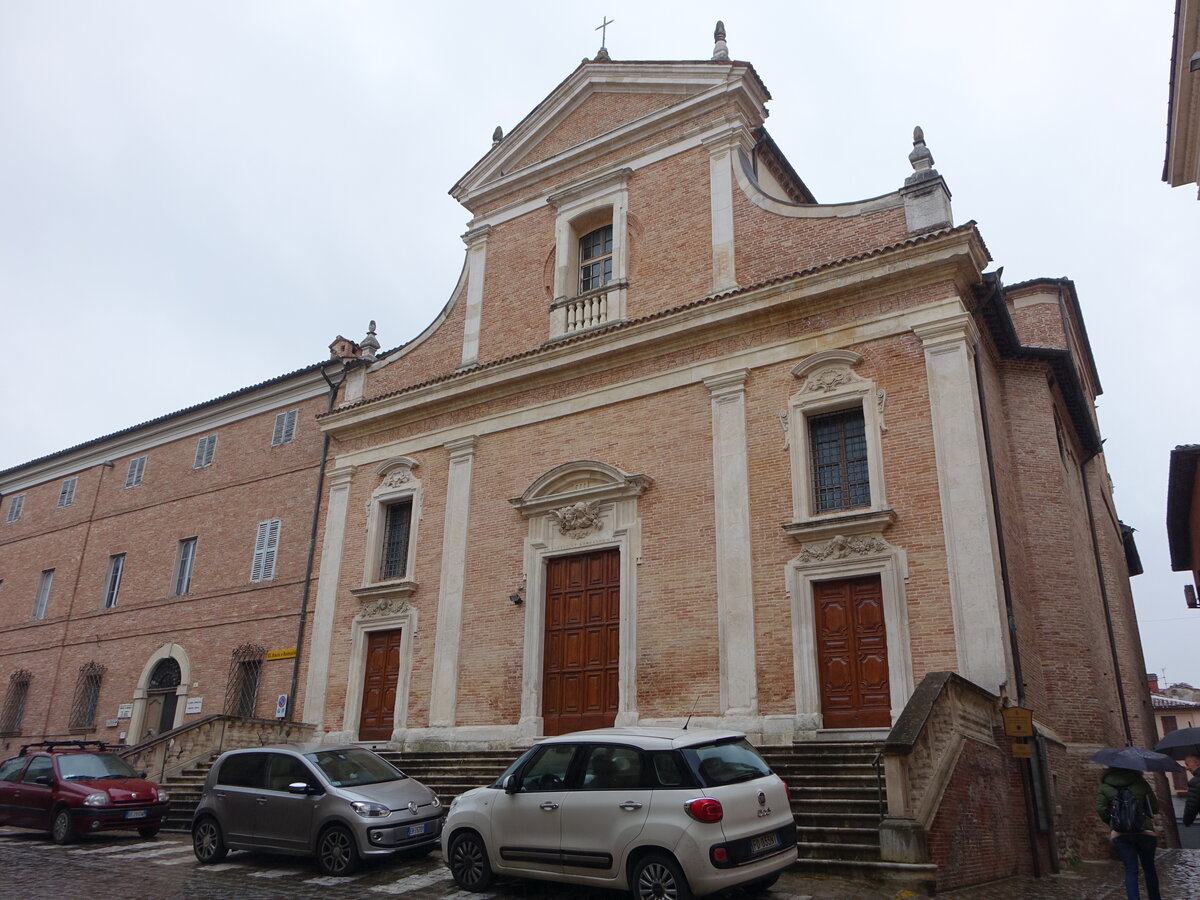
point(582, 653)
point(852, 653)
point(379, 686)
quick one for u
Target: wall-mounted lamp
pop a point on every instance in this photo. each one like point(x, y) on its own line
point(516, 597)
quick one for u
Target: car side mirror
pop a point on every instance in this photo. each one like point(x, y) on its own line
point(302, 787)
point(511, 785)
point(141, 774)
point(44, 779)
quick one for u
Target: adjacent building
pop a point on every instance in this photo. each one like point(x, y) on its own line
point(1182, 165)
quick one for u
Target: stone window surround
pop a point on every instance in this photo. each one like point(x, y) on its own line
point(611, 501)
point(829, 385)
point(583, 208)
point(397, 483)
point(379, 613)
point(839, 558)
point(141, 692)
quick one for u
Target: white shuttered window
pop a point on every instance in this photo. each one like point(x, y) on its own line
point(137, 466)
point(285, 428)
point(266, 543)
point(205, 448)
point(66, 494)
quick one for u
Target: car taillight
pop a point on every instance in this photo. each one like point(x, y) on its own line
point(786, 792)
point(705, 809)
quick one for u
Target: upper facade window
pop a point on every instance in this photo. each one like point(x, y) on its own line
point(15, 505)
point(394, 562)
point(595, 259)
point(183, 566)
point(393, 517)
point(838, 444)
point(43, 594)
point(285, 428)
point(137, 466)
point(266, 545)
point(205, 448)
point(66, 493)
point(112, 587)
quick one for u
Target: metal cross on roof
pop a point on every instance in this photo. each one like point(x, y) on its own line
point(603, 29)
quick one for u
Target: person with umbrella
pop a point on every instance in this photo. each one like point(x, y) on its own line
point(1184, 744)
point(1133, 837)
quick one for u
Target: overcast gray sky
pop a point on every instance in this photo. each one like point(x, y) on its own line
point(198, 196)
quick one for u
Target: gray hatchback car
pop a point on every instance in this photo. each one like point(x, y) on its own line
point(337, 804)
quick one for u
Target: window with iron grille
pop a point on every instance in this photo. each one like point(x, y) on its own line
point(266, 545)
point(43, 594)
point(285, 428)
point(116, 568)
point(133, 477)
point(66, 494)
point(394, 556)
point(87, 696)
point(14, 701)
point(838, 445)
point(205, 448)
point(595, 258)
point(245, 669)
point(183, 566)
point(15, 505)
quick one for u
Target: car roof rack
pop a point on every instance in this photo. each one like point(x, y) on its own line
point(52, 746)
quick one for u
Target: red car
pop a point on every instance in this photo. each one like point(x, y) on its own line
point(70, 788)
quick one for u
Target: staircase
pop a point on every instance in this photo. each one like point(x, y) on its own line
point(450, 773)
point(185, 789)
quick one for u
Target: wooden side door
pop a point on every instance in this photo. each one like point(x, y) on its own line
point(380, 680)
point(852, 653)
point(580, 677)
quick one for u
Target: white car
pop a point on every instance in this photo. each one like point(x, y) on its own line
point(660, 812)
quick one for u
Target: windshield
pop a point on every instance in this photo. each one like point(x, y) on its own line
point(726, 762)
point(353, 767)
point(88, 766)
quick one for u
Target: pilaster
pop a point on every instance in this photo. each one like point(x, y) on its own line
point(721, 150)
point(476, 241)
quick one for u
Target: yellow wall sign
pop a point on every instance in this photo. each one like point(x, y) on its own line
point(281, 654)
point(1018, 721)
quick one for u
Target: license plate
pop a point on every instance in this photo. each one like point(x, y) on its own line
point(136, 814)
point(414, 830)
point(764, 842)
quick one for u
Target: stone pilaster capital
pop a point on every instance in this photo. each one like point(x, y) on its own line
point(340, 477)
point(728, 384)
point(461, 447)
point(959, 329)
point(477, 237)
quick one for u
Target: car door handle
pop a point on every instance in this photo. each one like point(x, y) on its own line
point(260, 800)
point(549, 806)
point(629, 805)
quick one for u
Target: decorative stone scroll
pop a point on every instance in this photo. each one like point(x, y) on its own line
point(577, 520)
point(842, 547)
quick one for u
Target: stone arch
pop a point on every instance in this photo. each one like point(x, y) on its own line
point(178, 655)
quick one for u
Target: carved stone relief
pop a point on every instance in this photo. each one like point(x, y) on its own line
point(825, 380)
point(842, 547)
point(577, 520)
point(396, 478)
point(378, 607)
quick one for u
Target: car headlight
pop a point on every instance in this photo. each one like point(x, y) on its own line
point(97, 799)
point(163, 796)
point(437, 801)
point(369, 810)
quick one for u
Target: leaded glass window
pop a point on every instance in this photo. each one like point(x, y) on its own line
point(838, 443)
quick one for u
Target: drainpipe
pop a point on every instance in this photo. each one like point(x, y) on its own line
point(289, 715)
point(1010, 615)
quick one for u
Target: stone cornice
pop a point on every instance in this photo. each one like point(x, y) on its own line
point(849, 523)
point(956, 255)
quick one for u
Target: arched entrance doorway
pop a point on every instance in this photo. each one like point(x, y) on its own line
point(162, 696)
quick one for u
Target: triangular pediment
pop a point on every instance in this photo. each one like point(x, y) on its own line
point(603, 106)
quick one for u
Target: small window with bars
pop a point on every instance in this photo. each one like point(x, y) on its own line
point(66, 493)
point(87, 696)
point(595, 259)
point(183, 566)
point(245, 671)
point(266, 545)
point(285, 428)
point(112, 587)
point(205, 448)
point(137, 466)
point(43, 594)
point(15, 505)
point(394, 552)
point(14, 701)
point(838, 448)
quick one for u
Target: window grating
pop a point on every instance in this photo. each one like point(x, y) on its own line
point(87, 696)
point(14, 701)
point(166, 674)
point(245, 670)
point(838, 448)
point(394, 563)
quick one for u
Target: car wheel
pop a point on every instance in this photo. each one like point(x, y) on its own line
point(61, 829)
point(337, 854)
point(207, 841)
point(148, 831)
point(659, 878)
point(469, 862)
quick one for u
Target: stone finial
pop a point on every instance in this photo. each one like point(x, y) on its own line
point(921, 159)
point(497, 135)
point(720, 48)
point(602, 55)
point(369, 344)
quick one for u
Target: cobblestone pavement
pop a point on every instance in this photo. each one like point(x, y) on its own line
point(117, 866)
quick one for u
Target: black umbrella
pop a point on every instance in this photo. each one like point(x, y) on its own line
point(1179, 744)
point(1135, 758)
